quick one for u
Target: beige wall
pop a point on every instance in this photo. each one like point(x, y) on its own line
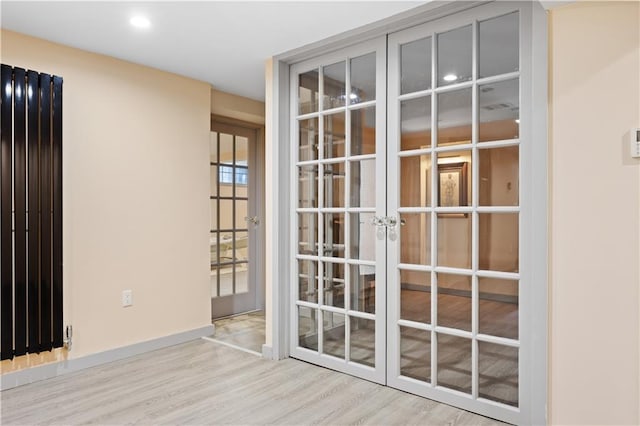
point(238, 107)
point(595, 212)
point(136, 214)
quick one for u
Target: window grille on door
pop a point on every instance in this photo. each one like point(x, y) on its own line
point(30, 212)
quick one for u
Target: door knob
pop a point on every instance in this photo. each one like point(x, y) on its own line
point(253, 219)
point(390, 222)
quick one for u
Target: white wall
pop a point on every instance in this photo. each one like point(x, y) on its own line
point(136, 213)
point(595, 211)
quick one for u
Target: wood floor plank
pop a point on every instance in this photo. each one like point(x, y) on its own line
point(206, 383)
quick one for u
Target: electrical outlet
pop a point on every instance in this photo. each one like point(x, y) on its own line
point(127, 298)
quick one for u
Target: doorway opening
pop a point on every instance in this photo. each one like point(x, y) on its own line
point(236, 237)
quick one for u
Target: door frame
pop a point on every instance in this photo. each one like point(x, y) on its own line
point(279, 200)
point(256, 250)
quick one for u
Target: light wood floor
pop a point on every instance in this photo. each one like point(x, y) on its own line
point(202, 382)
point(246, 331)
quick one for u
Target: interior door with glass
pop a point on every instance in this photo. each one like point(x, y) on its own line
point(455, 330)
point(338, 239)
point(234, 220)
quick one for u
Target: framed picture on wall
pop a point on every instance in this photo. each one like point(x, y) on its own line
point(452, 187)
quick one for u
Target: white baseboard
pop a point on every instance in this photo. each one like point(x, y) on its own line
point(267, 352)
point(58, 368)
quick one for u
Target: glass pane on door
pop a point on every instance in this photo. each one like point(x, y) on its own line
point(455, 253)
point(339, 158)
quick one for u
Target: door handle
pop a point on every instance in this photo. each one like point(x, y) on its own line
point(253, 219)
point(390, 222)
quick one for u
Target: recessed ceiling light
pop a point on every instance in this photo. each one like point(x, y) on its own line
point(518, 120)
point(140, 22)
point(450, 77)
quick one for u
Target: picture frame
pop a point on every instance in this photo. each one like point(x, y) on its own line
point(452, 187)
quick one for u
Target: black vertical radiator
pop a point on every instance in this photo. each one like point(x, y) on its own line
point(30, 212)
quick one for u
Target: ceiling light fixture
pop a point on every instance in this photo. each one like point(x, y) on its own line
point(140, 22)
point(518, 120)
point(450, 77)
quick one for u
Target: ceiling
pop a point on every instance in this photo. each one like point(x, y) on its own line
point(224, 43)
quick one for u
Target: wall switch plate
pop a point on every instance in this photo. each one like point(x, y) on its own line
point(635, 143)
point(127, 298)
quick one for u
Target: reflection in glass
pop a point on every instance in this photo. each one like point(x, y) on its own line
point(226, 214)
point(213, 205)
point(363, 78)
point(308, 131)
point(415, 296)
point(363, 288)
point(308, 186)
point(454, 301)
point(454, 179)
point(498, 373)
point(498, 307)
point(213, 279)
point(213, 184)
point(415, 353)
point(499, 176)
point(415, 238)
point(333, 234)
point(415, 66)
point(498, 242)
point(499, 105)
point(363, 183)
point(226, 148)
point(307, 233)
point(454, 362)
point(415, 123)
point(307, 328)
point(334, 185)
point(363, 131)
point(307, 280)
point(213, 244)
point(363, 341)
point(363, 240)
point(241, 278)
point(334, 85)
point(308, 92)
point(454, 56)
point(242, 150)
point(333, 335)
point(213, 147)
point(454, 241)
point(241, 213)
point(415, 181)
point(334, 284)
point(454, 117)
point(241, 246)
point(334, 135)
point(498, 45)
point(226, 279)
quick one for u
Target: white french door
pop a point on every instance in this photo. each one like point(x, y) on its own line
point(338, 313)
point(413, 172)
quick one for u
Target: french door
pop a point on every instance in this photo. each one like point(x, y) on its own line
point(234, 219)
point(409, 234)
